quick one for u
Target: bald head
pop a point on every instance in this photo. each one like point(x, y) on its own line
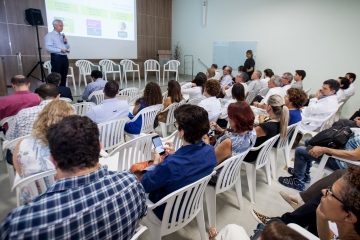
point(19, 80)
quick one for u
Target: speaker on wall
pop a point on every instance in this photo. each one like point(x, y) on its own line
point(33, 17)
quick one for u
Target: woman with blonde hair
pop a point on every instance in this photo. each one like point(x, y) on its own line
point(32, 155)
point(275, 123)
point(210, 74)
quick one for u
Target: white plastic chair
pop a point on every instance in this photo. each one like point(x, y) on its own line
point(134, 151)
point(109, 66)
point(176, 215)
point(139, 231)
point(85, 68)
point(164, 96)
point(99, 96)
point(170, 119)
point(82, 108)
point(261, 160)
point(171, 66)
point(194, 101)
point(9, 120)
point(131, 92)
point(228, 176)
point(307, 91)
point(325, 123)
point(152, 65)
point(303, 231)
point(9, 145)
point(338, 112)
point(35, 183)
point(214, 117)
point(112, 133)
point(250, 97)
point(66, 99)
point(175, 139)
point(147, 115)
point(321, 167)
point(263, 91)
point(133, 100)
point(47, 66)
point(123, 98)
point(128, 66)
point(284, 145)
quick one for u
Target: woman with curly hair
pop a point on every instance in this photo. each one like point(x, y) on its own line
point(295, 99)
point(32, 155)
point(211, 104)
point(152, 96)
point(174, 96)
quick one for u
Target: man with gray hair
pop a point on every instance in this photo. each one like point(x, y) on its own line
point(242, 77)
point(286, 81)
point(255, 84)
point(275, 87)
point(57, 45)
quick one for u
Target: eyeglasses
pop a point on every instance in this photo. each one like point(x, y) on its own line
point(329, 192)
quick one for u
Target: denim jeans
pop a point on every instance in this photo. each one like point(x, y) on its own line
point(303, 162)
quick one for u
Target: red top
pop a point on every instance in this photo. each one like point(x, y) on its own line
point(11, 105)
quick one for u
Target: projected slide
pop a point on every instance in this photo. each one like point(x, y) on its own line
point(109, 19)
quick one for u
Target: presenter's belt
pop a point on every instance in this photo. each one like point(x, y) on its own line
point(58, 55)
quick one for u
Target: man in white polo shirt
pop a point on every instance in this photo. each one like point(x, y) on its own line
point(275, 87)
point(111, 108)
point(286, 81)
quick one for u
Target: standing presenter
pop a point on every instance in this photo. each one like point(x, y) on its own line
point(56, 44)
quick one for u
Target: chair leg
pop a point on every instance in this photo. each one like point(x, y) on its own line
point(163, 129)
point(201, 223)
point(154, 230)
point(79, 79)
point(145, 76)
point(163, 76)
point(273, 157)
point(251, 178)
point(139, 78)
point(73, 80)
point(267, 172)
point(239, 193)
point(85, 79)
point(287, 155)
point(210, 197)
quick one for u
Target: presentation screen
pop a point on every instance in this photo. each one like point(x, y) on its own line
point(96, 29)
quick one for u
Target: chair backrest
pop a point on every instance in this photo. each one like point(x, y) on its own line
point(134, 151)
point(127, 64)
point(112, 133)
point(123, 98)
point(131, 92)
point(82, 108)
point(289, 133)
point(230, 172)
point(47, 66)
point(99, 96)
point(177, 215)
point(172, 65)
point(148, 115)
point(84, 66)
point(13, 143)
point(66, 99)
point(107, 65)
point(182, 102)
point(9, 120)
point(263, 91)
point(175, 140)
point(133, 99)
point(151, 65)
point(264, 153)
point(36, 184)
point(223, 101)
point(194, 101)
point(250, 97)
point(164, 96)
point(170, 119)
point(328, 120)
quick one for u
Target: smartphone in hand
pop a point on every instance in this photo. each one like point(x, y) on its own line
point(309, 147)
point(158, 144)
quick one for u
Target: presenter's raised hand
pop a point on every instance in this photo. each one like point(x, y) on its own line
point(65, 40)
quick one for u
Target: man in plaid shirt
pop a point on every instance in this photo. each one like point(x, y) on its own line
point(87, 201)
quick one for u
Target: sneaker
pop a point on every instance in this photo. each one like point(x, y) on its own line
point(292, 182)
point(307, 177)
point(260, 218)
point(286, 197)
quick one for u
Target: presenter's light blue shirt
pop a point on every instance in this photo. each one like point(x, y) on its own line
point(54, 43)
point(108, 110)
point(99, 84)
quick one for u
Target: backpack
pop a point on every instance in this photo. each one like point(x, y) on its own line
point(334, 137)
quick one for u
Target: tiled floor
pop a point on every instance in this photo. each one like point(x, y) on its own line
point(268, 200)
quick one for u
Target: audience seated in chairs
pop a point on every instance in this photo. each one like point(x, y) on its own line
point(22, 98)
point(351, 90)
point(269, 127)
point(195, 89)
point(268, 73)
point(274, 84)
point(55, 78)
point(286, 81)
point(299, 78)
point(111, 108)
point(217, 73)
point(110, 203)
point(174, 96)
point(227, 77)
point(295, 99)
point(210, 74)
point(241, 78)
point(193, 161)
point(344, 84)
point(338, 203)
point(22, 124)
point(254, 85)
point(152, 96)
point(32, 155)
point(303, 161)
point(211, 104)
point(97, 84)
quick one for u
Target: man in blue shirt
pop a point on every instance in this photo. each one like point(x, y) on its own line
point(110, 108)
point(86, 201)
point(98, 84)
point(57, 45)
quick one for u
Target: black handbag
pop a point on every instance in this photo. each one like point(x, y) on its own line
point(334, 137)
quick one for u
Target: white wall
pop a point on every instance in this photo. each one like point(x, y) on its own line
point(319, 36)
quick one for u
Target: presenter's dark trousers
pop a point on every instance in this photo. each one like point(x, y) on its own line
point(60, 64)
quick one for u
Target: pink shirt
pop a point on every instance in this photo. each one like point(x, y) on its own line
point(11, 105)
